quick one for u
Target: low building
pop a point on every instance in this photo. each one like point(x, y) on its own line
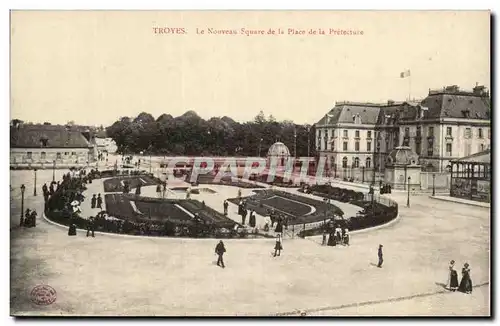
point(471, 177)
point(105, 145)
point(43, 146)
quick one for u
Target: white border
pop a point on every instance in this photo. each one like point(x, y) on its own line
point(186, 4)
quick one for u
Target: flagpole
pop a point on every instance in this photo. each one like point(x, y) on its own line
point(409, 86)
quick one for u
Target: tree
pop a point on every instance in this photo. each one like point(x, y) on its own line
point(189, 134)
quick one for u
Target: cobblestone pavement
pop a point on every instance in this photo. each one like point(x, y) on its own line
point(113, 275)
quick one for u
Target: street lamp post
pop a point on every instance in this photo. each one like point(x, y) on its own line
point(327, 201)
point(434, 184)
point(295, 143)
point(363, 175)
point(408, 201)
point(308, 141)
point(34, 187)
point(54, 171)
point(260, 146)
point(22, 198)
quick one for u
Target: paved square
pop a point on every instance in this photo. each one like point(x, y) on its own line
point(119, 275)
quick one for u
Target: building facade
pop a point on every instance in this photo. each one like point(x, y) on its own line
point(448, 124)
point(43, 146)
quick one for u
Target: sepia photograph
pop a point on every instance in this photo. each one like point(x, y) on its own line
point(260, 163)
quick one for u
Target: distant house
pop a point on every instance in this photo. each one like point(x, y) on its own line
point(41, 145)
point(104, 143)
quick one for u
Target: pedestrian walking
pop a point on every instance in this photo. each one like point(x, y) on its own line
point(220, 249)
point(452, 283)
point(91, 226)
point(226, 205)
point(466, 282)
point(93, 201)
point(380, 256)
point(278, 246)
point(252, 221)
point(99, 201)
point(346, 237)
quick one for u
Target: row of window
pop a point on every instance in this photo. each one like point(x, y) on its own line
point(346, 133)
point(43, 155)
point(449, 149)
point(355, 163)
point(449, 132)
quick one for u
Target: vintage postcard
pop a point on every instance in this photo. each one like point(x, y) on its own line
point(250, 163)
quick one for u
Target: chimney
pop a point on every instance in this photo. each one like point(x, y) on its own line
point(452, 89)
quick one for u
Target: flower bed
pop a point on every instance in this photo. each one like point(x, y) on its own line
point(375, 212)
point(265, 200)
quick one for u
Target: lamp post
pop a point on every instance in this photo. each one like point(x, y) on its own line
point(260, 146)
point(34, 187)
point(408, 201)
point(54, 171)
point(434, 184)
point(22, 198)
point(308, 141)
point(139, 163)
point(363, 175)
point(327, 201)
point(294, 143)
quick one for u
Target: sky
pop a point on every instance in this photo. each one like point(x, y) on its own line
point(93, 67)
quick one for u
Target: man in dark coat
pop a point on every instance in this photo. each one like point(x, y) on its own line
point(51, 189)
point(158, 190)
point(45, 191)
point(72, 229)
point(380, 256)
point(90, 226)
point(220, 250)
point(226, 205)
point(93, 201)
point(99, 201)
point(243, 215)
point(252, 219)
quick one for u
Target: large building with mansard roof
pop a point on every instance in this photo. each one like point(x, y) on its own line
point(448, 124)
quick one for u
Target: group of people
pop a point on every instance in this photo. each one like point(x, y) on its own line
point(29, 219)
point(452, 284)
point(281, 221)
point(243, 212)
point(161, 190)
point(336, 236)
point(96, 202)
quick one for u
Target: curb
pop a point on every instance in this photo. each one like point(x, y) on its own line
point(381, 226)
point(147, 237)
point(372, 302)
point(470, 202)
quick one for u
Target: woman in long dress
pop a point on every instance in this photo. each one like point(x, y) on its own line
point(278, 247)
point(466, 283)
point(452, 283)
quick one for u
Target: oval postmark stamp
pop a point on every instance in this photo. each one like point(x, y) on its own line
point(43, 295)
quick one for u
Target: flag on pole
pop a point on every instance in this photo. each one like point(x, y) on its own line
point(405, 74)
